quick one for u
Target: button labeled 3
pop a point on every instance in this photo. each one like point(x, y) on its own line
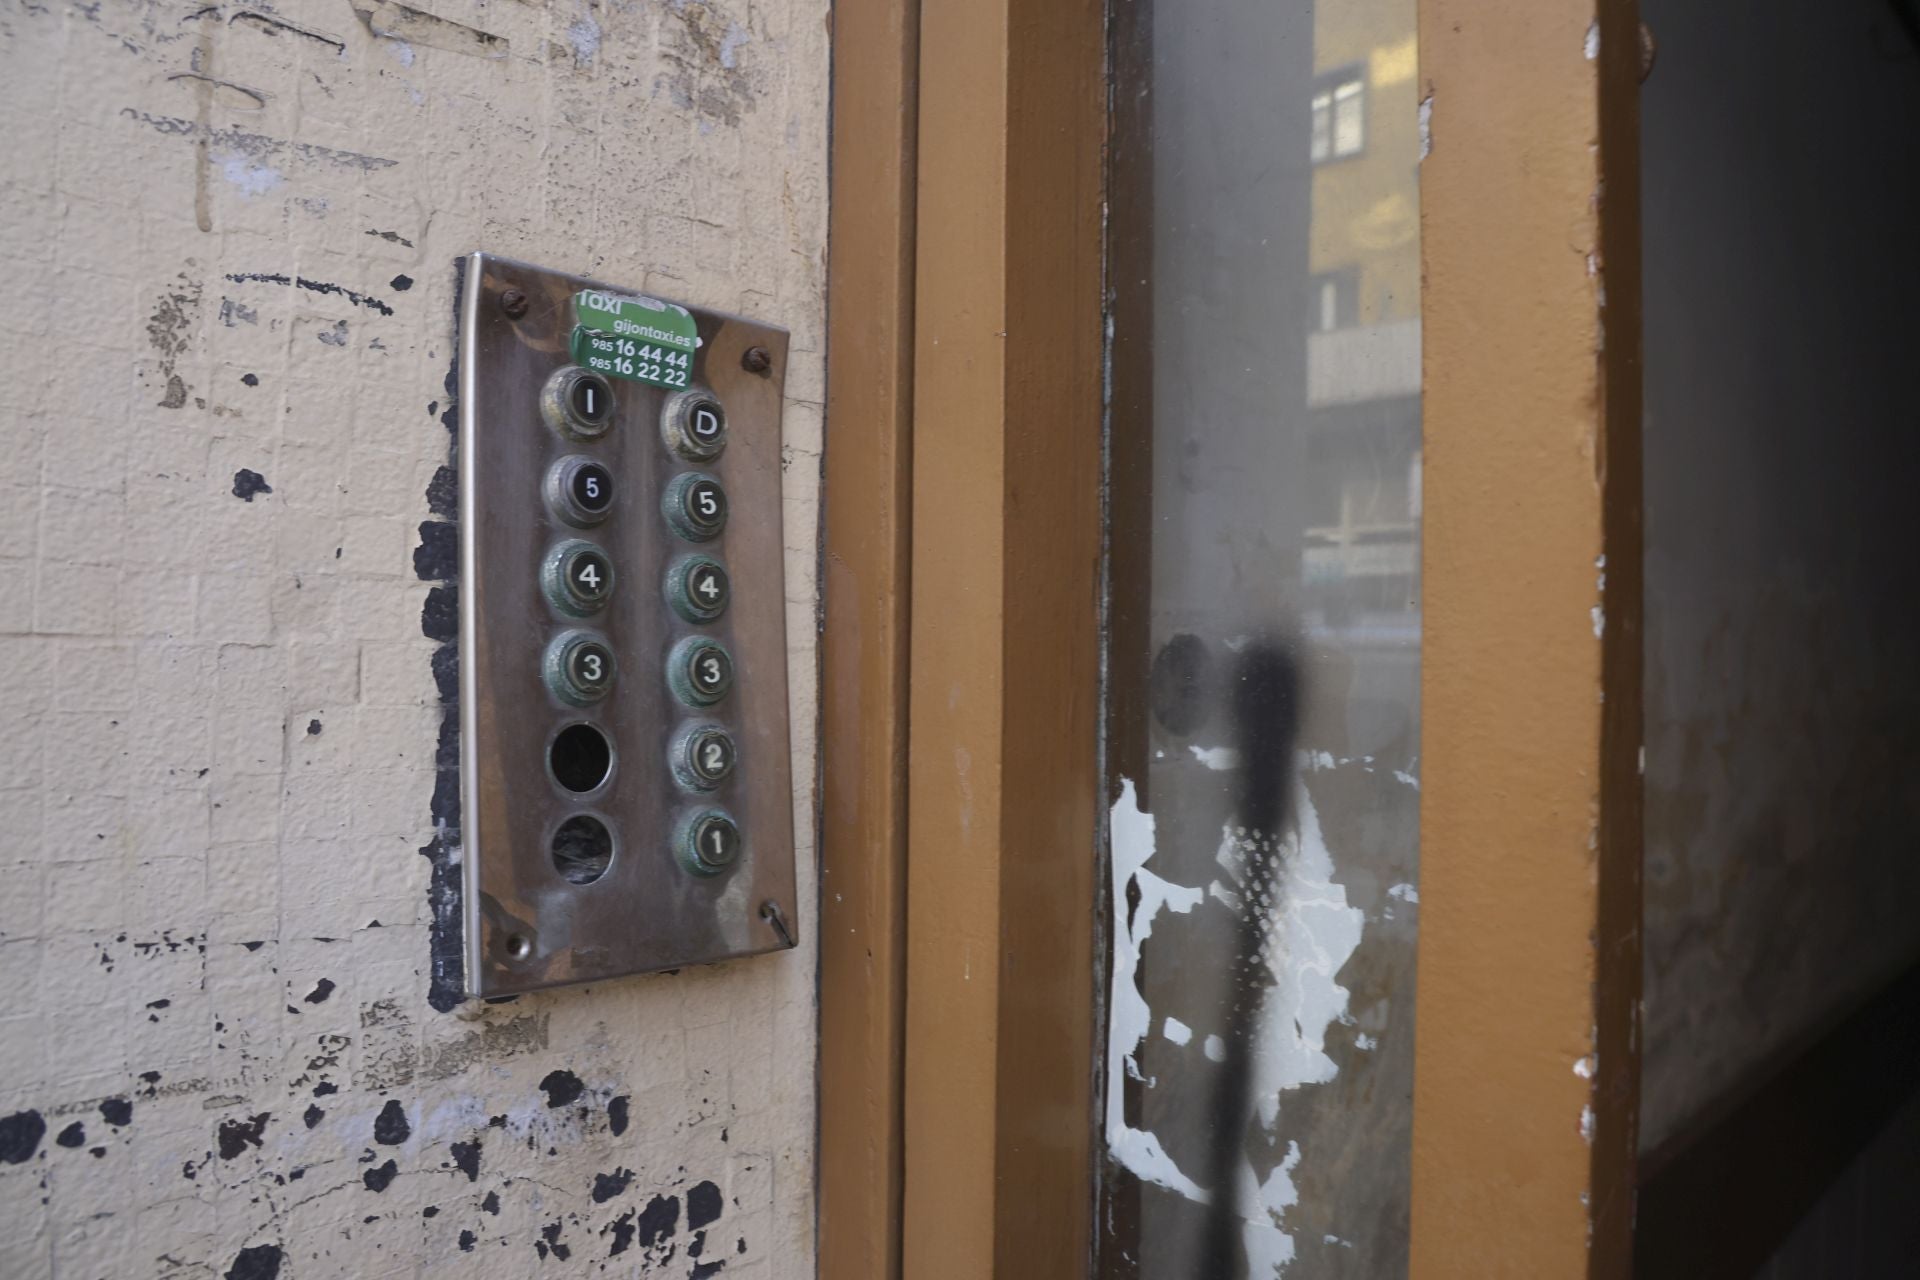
point(578, 667)
point(697, 588)
point(700, 671)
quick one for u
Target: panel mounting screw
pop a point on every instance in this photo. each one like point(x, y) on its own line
point(514, 303)
point(756, 360)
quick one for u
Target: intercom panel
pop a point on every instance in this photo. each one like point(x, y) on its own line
point(625, 788)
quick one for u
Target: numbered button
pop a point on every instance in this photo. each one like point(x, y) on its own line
point(708, 842)
point(696, 506)
point(694, 425)
point(703, 756)
point(579, 491)
point(579, 668)
point(577, 403)
point(697, 588)
point(578, 578)
point(700, 671)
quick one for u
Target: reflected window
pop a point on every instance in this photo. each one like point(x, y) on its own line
point(1339, 116)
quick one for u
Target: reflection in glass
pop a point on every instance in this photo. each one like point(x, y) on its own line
point(1262, 723)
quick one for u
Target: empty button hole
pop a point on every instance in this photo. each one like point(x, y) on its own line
point(580, 758)
point(582, 849)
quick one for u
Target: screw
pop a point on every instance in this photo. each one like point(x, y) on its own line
point(756, 360)
point(514, 303)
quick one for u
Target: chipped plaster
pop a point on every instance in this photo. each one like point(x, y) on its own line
point(236, 224)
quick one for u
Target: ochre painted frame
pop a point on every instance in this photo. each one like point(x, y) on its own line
point(867, 583)
point(963, 461)
point(1526, 1066)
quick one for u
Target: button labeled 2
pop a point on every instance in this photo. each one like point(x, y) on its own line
point(703, 756)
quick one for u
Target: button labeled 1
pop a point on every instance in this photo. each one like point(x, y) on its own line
point(708, 842)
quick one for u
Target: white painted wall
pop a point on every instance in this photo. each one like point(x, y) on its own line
point(226, 245)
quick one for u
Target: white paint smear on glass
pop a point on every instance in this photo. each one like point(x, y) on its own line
point(1315, 931)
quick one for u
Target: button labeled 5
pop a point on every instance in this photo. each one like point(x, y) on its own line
point(696, 506)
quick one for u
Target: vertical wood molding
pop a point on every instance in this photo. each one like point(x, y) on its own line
point(1004, 681)
point(868, 473)
point(1525, 1079)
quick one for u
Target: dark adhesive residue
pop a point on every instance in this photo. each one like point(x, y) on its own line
point(314, 1115)
point(313, 286)
point(381, 1178)
point(257, 1262)
point(439, 621)
point(248, 483)
point(74, 1135)
point(704, 1206)
point(467, 1240)
point(390, 1127)
point(401, 283)
point(659, 1220)
point(314, 726)
point(622, 1228)
point(551, 1240)
point(561, 1087)
point(617, 1115)
point(492, 1203)
point(466, 1158)
point(117, 1112)
point(235, 1136)
point(608, 1185)
point(323, 988)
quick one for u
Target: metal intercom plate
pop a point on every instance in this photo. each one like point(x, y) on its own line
point(625, 790)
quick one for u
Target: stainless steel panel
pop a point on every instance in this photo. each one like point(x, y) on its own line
point(527, 924)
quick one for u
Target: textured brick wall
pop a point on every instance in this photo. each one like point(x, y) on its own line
point(227, 236)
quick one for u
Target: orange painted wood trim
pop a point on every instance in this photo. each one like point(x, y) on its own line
point(1526, 1077)
point(1004, 680)
point(867, 583)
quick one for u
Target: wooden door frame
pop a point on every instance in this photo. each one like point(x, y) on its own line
point(963, 400)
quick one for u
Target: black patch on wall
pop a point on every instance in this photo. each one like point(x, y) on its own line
point(380, 1179)
point(235, 1136)
point(257, 1262)
point(617, 1115)
point(608, 1185)
point(74, 1135)
point(492, 1203)
point(622, 1228)
point(466, 1158)
point(247, 483)
point(390, 1127)
point(466, 1241)
point(440, 620)
point(659, 1220)
point(314, 1115)
point(117, 1112)
point(562, 1087)
point(704, 1206)
point(323, 988)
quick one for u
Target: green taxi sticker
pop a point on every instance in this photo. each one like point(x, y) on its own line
point(641, 339)
point(630, 358)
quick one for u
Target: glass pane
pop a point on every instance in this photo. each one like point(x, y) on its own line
point(1263, 700)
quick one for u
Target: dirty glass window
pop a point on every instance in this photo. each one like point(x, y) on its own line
point(1263, 641)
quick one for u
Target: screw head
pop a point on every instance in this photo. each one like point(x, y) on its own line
point(756, 360)
point(514, 303)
